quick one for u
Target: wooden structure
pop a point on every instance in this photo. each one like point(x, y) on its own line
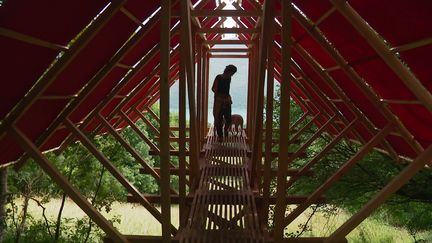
point(357, 76)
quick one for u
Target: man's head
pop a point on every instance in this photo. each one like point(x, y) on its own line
point(230, 70)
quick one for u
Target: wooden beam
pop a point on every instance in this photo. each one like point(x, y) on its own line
point(394, 185)
point(187, 53)
point(263, 50)
point(57, 97)
point(157, 199)
point(228, 42)
point(382, 49)
point(229, 50)
point(401, 102)
point(31, 40)
point(174, 153)
point(284, 118)
point(62, 181)
point(412, 45)
point(115, 172)
point(292, 199)
point(228, 56)
point(268, 125)
point(228, 30)
point(225, 13)
point(164, 115)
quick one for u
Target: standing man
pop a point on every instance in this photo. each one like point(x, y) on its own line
point(222, 101)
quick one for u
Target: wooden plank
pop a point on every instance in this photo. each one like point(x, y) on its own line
point(412, 45)
point(30, 39)
point(157, 199)
point(228, 56)
point(228, 30)
point(228, 42)
point(284, 118)
point(225, 13)
point(187, 52)
point(164, 116)
point(174, 152)
point(142, 239)
point(263, 50)
point(268, 126)
point(62, 181)
point(229, 50)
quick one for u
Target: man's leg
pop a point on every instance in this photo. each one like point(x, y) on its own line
point(218, 118)
point(227, 116)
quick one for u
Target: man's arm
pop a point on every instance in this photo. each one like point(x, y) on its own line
point(215, 86)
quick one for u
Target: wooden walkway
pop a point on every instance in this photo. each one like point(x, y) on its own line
point(223, 208)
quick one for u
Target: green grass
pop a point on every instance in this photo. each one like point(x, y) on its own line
point(138, 221)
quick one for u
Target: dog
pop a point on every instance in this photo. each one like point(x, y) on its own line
point(237, 122)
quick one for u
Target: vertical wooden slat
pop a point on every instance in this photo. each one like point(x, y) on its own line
point(269, 128)
point(164, 118)
point(186, 52)
point(182, 142)
point(284, 118)
point(264, 44)
point(61, 180)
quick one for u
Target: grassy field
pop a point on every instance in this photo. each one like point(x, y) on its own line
point(136, 220)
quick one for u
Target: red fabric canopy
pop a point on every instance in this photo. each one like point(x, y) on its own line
point(23, 63)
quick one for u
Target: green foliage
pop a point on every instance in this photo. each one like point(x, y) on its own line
point(410, 207)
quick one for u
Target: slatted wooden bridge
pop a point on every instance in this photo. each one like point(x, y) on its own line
point(223, 208)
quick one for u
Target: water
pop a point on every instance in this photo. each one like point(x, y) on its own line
point(238, 89)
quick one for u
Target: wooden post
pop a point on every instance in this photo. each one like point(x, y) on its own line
point(61, 180)
point(269, 130)
point(338, 174)
point(284, 132)
point(115, 172)
point(182, 142)
point(186, 53)
point(199, 90)
point(264, 44)
point(397, 182)
point(164, 116)
point(398, 67)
